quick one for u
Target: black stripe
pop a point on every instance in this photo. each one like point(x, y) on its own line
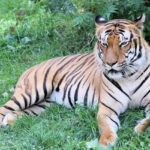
point(121, 30)
point(2, 114)
point(16, 102)
point(129, 52)
point(107, 86)
point(82, 56)
point(135, 45)
point(26, 112)
point(117, 85)
point(63, 59)
point(9, 108)
point(109, 108)
point(37, 96)
point(113, 121)
point(86, 96)
point(108, 30)
point(48, 101)
point(36, 90)
point(42, 106)
point(60, 81)
point(140, 51)
point(131, 36)
point(93, 97)
point(94, 76)
point(15, 112)
point(25, 101)
point(143, 72)
point(65, 90)
point(144, 96)
point(30, 98)
point(34, 113)
point(147, 104)
point(69, 98)
point(131, 74)
point(76, 91)
point(114, 98)
point(119, 33)
point(140, 85)
point(44, 82)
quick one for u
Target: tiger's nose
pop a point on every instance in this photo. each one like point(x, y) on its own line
point(111, 63)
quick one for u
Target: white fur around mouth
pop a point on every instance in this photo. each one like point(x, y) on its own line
point(115, 75)
point(112, 73)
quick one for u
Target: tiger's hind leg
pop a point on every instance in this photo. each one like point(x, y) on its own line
point(34, 86)
point(144, 123)
point(8, 117)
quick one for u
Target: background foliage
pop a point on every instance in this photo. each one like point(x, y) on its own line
point(32, 31)
point(69, 23)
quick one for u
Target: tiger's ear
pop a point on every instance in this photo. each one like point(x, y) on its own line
point(99, 20)
point(139, 22)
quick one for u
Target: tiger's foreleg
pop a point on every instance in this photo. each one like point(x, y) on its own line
point(144, 123)
point(108, 123)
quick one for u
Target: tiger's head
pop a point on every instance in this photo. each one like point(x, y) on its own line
point(120, 47)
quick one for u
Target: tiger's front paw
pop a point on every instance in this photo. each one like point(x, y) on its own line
point(108, 139)
point(141, 126)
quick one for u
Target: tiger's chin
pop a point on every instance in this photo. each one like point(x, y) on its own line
point(113, 74)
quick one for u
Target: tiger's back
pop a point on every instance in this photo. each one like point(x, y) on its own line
point(66, 80)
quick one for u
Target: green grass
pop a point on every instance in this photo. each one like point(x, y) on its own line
point(39, 36)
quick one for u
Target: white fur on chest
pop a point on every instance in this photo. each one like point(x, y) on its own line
point(137, 88)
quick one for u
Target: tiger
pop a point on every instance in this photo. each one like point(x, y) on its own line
point(114, 77)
